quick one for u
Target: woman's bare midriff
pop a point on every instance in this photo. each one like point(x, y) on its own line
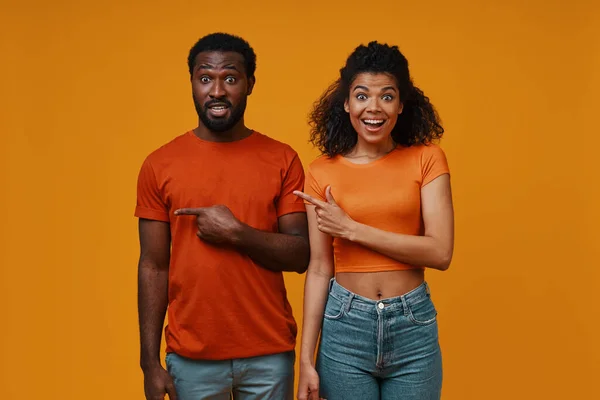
point(381, 285)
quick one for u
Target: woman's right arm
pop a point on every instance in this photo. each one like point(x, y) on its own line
point(320, 271)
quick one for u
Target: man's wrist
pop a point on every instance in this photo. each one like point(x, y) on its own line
point(239, 234)
point(150, 365)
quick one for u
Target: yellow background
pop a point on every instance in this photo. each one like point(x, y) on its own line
point(89, 88)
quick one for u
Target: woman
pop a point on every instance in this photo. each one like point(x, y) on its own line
point(380, 209)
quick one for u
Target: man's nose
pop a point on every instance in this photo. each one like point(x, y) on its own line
point(217, 90)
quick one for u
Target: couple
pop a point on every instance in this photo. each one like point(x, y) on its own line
point(223, 210)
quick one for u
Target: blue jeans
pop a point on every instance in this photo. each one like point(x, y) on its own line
point(385, 349)
point(255, 378)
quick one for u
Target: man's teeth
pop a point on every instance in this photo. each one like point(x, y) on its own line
point(218, 108)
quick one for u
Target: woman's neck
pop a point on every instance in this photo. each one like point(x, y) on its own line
point(371, 151)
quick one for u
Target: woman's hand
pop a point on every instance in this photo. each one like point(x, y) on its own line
point(331, 218)
point(308, 384)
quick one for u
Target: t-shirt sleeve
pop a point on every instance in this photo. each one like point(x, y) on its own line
point(433, 163)
point(150, 204)
point(288, 202)
point(312, 186)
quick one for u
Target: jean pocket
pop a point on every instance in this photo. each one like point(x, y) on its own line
point(422, 313)
point(169, 362)
point(334, 309)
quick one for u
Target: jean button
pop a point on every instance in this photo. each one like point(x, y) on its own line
point(380, 306)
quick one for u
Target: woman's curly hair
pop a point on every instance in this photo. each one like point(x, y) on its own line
point(331, 130)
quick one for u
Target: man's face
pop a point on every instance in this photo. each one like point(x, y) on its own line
point(220, 89)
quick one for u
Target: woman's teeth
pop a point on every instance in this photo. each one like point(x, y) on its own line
point(373, 122)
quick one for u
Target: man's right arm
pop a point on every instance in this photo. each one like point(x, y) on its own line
point(153, 278)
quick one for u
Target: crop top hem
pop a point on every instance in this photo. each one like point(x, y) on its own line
point(376, 268)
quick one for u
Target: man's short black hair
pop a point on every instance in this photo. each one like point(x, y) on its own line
point(224, 42)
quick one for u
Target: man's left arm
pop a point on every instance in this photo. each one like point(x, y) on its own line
point(288, 249)
point(285, 250)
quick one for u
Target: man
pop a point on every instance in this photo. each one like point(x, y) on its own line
point(218, 223)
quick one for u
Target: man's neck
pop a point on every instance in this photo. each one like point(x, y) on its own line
point(238, 132)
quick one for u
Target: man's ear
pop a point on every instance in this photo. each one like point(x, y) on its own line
point(251, 83)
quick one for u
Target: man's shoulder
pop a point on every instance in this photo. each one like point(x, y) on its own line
point(170, 149)
point(275, 148)
point(272, 143)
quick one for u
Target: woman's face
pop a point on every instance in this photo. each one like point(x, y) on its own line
point(374, 105)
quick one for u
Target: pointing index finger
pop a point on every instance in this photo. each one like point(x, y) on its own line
point(189, 211)
point(308, 198)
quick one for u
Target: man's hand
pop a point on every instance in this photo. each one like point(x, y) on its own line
point(216, 224)
point(157, 383)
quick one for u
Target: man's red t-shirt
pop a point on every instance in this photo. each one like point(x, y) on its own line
point(222, 305)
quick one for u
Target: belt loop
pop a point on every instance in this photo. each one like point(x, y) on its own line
point(404, 305)
point(349, 301)
point(427, 289)
point(331, 283)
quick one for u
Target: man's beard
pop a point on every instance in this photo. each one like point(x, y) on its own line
point(220, 124)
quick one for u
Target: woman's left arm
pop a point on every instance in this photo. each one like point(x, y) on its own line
point(433, 249)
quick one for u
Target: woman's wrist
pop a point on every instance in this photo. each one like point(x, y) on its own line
point(306, 361)
point(353, 231)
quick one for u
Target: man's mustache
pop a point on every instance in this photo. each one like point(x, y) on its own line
point(214, 102)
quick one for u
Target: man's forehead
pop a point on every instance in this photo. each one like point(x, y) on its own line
point(219, 58)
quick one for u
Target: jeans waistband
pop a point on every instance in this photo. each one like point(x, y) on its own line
point(392, 304)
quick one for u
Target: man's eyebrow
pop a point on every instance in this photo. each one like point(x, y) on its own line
point(210, 66)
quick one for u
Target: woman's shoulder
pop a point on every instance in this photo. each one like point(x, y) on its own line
point(323, 168)
point(422, 151)
point(323, 162)
point(421, 148)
